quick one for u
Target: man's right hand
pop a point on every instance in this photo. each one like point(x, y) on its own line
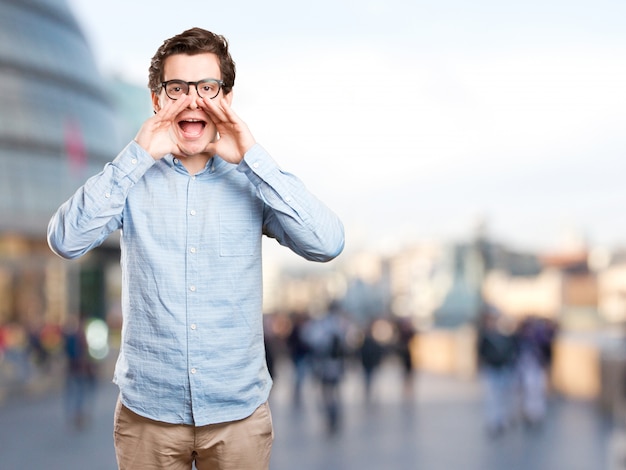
point(155, 135)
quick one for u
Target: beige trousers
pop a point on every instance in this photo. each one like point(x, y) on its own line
point(141, 443)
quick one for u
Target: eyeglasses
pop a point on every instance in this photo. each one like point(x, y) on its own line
point(207, 88)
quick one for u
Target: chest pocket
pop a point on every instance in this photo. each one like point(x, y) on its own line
point(239, 235)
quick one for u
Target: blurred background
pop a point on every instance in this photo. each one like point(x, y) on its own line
point(473, 151)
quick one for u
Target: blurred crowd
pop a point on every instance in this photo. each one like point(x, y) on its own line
point(514, 362)
point(27, 350)
point(49, 357)
point(322, 348)
point(513, 357)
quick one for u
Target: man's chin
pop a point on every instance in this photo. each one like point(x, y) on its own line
point(191, 149)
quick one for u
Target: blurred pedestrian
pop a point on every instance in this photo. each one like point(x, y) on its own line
point(407, 335)
point(497, 355)
point(371, 354)
point(329, 342)
point(193, 194)
point(300, 354)
point(17, 352)
point(536, 336)
point(38, 353)
point(80, 378)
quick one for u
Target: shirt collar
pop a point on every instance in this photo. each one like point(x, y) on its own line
point(213, 166)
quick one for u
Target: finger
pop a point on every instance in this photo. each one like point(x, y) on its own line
point(172, 108)
point(214, 110)
point(229, 113)
point(203, 106)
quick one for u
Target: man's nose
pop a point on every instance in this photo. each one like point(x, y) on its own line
point(195, 95)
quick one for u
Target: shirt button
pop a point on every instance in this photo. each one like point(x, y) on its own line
point(192, 212)
point(176, 160)
point(193, 326)
point(288, 199)
point(192, 288)
point(192, 249)
point(134, 161)
point(255, 165)
point(107, 195)
point(193, 370)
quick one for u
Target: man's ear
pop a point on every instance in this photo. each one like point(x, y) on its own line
point(155, 102)
point(229, 97)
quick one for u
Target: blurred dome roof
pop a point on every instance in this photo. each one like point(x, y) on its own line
point(57, 124)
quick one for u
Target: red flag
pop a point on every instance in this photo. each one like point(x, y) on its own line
point(75, 147)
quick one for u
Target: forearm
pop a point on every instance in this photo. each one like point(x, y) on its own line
point(87, 218)
point(294, 216)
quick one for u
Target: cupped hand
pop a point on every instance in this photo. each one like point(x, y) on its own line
point(235, 139)
point(155, 135)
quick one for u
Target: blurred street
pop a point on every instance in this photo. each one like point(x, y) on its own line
point(482, 228)
point(440, 428)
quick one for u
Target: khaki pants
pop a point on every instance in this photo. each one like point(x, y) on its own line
point(141, 443)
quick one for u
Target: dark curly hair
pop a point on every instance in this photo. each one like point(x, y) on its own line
point(193, 41)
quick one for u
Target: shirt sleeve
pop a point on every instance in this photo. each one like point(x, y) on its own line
point(95, 210)
point(294, 216)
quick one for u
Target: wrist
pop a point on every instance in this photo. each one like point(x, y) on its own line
point(148, 150)
point(246, 146)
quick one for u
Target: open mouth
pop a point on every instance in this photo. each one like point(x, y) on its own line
point(192, 127)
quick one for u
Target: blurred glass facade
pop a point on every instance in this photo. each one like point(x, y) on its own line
point(58, 125)
point(55, 118)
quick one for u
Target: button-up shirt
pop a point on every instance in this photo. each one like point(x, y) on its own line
point(192, 347)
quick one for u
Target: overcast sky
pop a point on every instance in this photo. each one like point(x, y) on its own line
point(414, 119)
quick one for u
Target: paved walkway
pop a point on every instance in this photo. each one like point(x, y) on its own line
point(440, 428)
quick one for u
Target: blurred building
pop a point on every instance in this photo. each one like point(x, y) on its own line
point(59, 124)
point(442, 284)
point(612, 290)
point(565, 290)
point(435, 284)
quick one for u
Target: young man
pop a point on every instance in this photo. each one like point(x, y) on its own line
point(192, 195)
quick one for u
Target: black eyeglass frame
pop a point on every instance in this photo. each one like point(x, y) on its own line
point(220, 85)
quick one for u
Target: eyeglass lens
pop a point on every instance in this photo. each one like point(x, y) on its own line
point(208, 88)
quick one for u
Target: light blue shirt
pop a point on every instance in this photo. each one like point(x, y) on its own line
point(192, 347)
